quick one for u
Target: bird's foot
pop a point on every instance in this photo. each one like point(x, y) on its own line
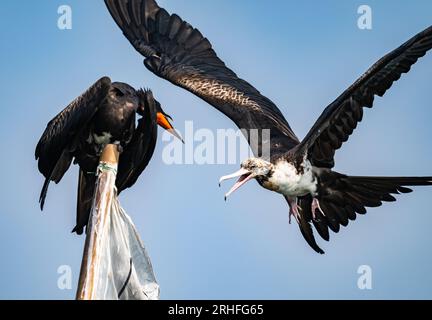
point(294, 209)
point(120, 148)
point(316, 206)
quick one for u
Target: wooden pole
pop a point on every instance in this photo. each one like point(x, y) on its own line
point(97, 225)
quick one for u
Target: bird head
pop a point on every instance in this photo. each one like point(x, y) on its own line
point(162, 118)
point(253, 168)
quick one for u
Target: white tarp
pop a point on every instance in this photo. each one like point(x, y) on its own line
point(116, 265)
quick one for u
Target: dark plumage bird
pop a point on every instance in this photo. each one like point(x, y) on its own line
point(302, 171)
point(104, 114)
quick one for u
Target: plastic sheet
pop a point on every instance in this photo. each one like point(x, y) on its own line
point(116, 265)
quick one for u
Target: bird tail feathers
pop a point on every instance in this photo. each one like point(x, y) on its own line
point(62, 165)
point(342, 197)
point(86, 188)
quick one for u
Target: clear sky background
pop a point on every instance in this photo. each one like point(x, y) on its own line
point(302, 55)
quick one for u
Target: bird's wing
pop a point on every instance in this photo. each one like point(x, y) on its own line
point(179, 53)
point(53, 150)
point(340, 118)
point(63, 128)
point(138, 153)
point(346, 197)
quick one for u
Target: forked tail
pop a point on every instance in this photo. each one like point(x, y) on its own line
point(342, 197)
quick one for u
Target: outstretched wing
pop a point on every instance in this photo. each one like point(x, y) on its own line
point(52, 151)
point(179, 53)
point(340, 118)
point(138, 153)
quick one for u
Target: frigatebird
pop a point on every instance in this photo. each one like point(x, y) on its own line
point(104, 114)
point(302, 171)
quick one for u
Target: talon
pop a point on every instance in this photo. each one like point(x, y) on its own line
point(120, 148)
point(316, 206)
point(294, 210)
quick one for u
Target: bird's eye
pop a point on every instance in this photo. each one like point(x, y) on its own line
point(118, 93)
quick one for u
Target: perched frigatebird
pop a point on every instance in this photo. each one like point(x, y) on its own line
point(299, 170)
point(104, 114)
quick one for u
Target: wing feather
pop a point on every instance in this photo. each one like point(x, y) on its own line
point(61, 130)
point(179, 53)
point(343, 115)
point(139, 151)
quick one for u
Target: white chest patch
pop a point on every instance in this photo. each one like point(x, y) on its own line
point(104, 139)
point(292, 184)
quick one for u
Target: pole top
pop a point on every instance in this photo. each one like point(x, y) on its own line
point(110, 154)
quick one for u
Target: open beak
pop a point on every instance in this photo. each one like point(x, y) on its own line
point(243, 175)
point(162, 120)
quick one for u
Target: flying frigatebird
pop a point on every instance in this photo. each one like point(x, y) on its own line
point(299, 170)
point(104, 114)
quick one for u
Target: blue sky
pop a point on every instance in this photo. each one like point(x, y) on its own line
point(302, 56)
